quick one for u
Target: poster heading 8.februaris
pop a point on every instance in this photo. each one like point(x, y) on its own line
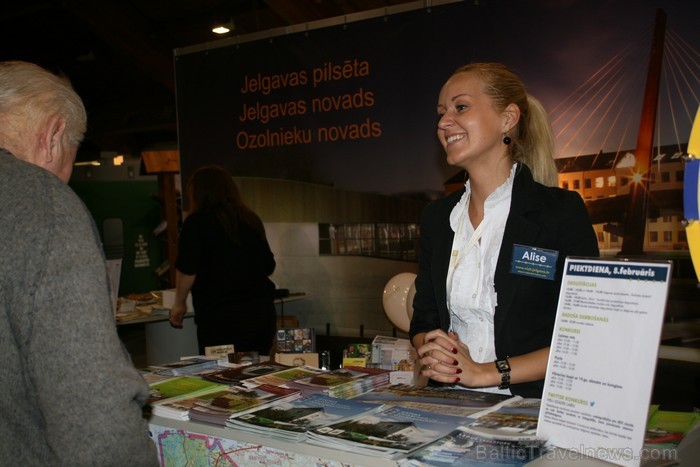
point(266, 103)
point(621, 271)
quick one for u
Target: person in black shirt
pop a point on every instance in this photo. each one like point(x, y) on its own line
point(225, 261)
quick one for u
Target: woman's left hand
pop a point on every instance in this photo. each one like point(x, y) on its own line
point(447, 360)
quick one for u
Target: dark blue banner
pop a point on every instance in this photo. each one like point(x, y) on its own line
point(353, 105)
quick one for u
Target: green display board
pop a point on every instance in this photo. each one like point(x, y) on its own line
point(126, 214)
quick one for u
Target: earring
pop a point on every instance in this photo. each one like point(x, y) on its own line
point(506, 139)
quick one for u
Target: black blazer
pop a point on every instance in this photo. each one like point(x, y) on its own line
point(540, 216)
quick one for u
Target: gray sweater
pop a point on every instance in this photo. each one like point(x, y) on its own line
point(69, 394)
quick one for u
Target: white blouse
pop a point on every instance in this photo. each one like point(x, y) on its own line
point(471, 295)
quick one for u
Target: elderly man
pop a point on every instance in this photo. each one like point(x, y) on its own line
point(70, 395)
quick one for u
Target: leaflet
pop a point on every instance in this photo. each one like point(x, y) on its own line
point(603, 357)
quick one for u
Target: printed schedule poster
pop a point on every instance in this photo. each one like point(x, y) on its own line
point(603, 357)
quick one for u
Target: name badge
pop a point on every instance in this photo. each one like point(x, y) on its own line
point(534, 262)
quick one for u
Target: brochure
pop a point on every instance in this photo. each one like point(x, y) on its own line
point(291, 420)
point(463, 448)
point(180, 386)
point(389, 431)
point(240, 373)
point(216, 407)
point(281, 377)
point(189, 366)
point(666, 430)
point(516, 418)
point(444, 400)
point(343, 383)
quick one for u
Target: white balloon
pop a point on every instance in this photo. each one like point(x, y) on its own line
point(409, 301)
point(398, 299)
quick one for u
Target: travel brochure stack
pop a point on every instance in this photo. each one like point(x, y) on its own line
point(461, 447)
point(433, 436)
point(352, 409)
point(292, 420)
point(216, 404)
point(189, 366)
point(238, 374)
point(180, 386)
point(668, 432)
point(355, 409)
point(343, 383)
point(237, 401)
point(282, 377)
point(387, 431)
point(435, 399)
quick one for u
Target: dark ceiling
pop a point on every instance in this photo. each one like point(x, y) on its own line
point(119, 54)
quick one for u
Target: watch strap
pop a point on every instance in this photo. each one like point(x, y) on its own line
point(503, 368)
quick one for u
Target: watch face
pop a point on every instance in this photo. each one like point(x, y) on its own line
point(503, 365)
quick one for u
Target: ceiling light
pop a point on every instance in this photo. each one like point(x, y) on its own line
point(223, 27)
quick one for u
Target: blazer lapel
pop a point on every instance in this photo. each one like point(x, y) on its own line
point(442, 257)
point(519, 230)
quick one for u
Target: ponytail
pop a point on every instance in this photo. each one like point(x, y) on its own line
point(537, 151)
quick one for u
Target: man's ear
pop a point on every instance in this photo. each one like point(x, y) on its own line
point(511, 117)
point(51, 140)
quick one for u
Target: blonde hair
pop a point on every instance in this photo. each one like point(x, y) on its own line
point(532, 140)
point(29, 96)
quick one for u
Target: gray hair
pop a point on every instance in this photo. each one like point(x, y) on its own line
point(29, 95)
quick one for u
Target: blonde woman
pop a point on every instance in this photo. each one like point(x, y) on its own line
point(492, 254)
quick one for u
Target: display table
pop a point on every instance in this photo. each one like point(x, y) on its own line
point(164, 343)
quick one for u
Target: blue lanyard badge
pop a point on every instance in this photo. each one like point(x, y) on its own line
point(534, 262)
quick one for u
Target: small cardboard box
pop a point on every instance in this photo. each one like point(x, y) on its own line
point(402, 377)
point(397, 355)
point(359, 350)
point(355, 361)
point(297, 359)
point(295, 340)
point(220, 351)
point(287, 322)
point(391, 353)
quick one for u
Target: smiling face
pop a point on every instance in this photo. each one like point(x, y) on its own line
point(470, 128)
